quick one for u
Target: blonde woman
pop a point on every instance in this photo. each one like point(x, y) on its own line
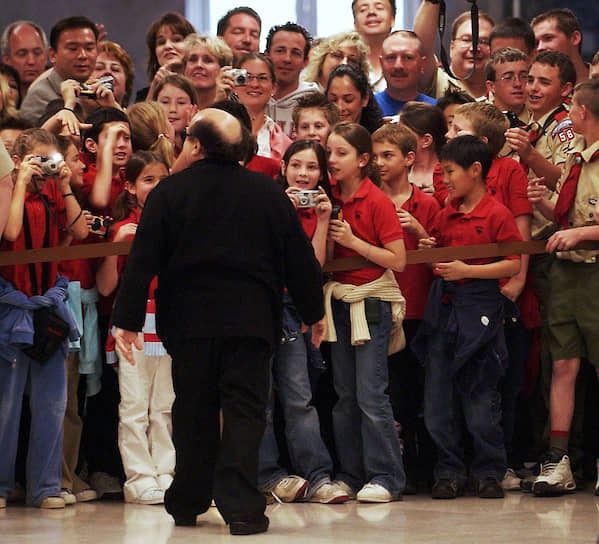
point(207, 61)
point(342, 48)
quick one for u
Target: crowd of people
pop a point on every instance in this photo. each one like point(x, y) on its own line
point(447, 377)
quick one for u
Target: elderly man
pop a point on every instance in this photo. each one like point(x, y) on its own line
point(25, 48)
point(224, 242)
point(403, 63)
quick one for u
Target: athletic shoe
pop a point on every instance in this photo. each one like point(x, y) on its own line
point(374, 493)
point(52, 503)
point(329, 493)
point(490, 488)
point(106, 486)
point(288, 489)
point(153, 495)
point(555, 477)
point(86, 495)
point(445, 488)
point(68, 497)
point(511, 481)
point(351, 494)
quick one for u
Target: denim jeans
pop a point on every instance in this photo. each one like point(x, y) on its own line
point(48, 399)
point(444, 404)
point(309, 456)
point(365, 435)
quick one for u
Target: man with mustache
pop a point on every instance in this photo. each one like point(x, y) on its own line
point(402, 63)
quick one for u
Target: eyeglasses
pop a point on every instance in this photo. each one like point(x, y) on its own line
point(262, 79)
point(467, 40)
point(522, 77)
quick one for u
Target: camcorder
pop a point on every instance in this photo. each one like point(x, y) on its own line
point(106, 82)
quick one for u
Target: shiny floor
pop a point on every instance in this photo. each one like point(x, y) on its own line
point(519, 518)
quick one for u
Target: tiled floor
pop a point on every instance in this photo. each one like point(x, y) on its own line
point(520, 518)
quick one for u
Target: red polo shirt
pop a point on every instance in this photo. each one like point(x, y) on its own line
point(489, 222)
point(89, 177)
point(82, 270)
point(373, 218)
point(18, 274)
point(308, 218)
point(416, 279)
point(266, 165)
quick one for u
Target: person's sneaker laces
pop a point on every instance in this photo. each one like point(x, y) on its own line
point(445, 488)
point(329, 493)
point(374, 493)
point(511, 481)
point(490, 488)
point(555, 477)
point(289, 489)
point(68, 497)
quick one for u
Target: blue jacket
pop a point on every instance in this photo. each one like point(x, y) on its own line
point(465, 323)
point(16, 312)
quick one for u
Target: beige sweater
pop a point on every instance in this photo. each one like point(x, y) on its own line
point(386, 289)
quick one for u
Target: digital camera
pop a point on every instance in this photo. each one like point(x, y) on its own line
point(106, 81)
point(240, 76)
point(306, 199)
point(50, 165)
point(99, 225)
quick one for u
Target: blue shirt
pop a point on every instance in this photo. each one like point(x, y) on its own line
point(389, 106)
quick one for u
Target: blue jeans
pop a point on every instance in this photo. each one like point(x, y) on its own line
point(48, 399)
point(308, 454)
point(365, 435)
point(444, 404)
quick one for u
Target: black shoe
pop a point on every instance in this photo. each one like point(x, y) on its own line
point(490, 488)
point(445, 488)
point(185, 521)
point(248, 527)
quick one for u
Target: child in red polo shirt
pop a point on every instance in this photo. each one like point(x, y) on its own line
point(146, 388)
point(364, 310)
point(304, 168)
point(42, 205)
point(461, 340)
point(395, 149)
point(108, 146)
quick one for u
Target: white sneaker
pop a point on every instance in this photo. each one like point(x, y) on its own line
point(555, 477)
point(86, 495)
point(329, 493)
point(289, 489)
point(351, 494)
point(511, 481)
point(374, 493)
point(52, 503)
point(68, 497)
point(153, 495)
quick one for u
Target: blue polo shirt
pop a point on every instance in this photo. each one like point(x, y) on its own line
point(389, 106)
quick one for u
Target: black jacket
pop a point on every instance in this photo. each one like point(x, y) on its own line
point(224, 241)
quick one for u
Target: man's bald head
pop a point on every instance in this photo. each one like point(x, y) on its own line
point(219, 133)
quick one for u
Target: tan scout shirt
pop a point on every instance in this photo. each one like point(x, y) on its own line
point(582, 212)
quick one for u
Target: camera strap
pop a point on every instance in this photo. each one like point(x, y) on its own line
point(443, 53)
point(29, 245)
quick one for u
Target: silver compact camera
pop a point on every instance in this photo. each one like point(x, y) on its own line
point(106, 81)
point(240, 76)
point(306, 199)
point(50, 165)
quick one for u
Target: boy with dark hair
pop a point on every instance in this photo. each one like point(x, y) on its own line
point(513, 32)
point(288, 46)
point(108, 146)
point(450, 101)
point(574, 276)
point(464, 363)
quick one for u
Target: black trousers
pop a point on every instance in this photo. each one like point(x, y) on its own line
point(212, 374)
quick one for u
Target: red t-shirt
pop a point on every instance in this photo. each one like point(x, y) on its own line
point(18, 274)
point(489, 222)
point(373, 218)
point(89, 177)
point(416, 279)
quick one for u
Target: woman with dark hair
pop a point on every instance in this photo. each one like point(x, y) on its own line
point(348, 87)
point(428, 124)
point(165, 41)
